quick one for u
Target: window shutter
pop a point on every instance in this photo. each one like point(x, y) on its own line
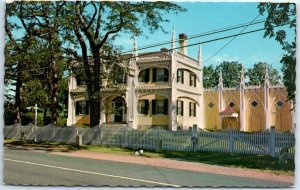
point(182, 108)
point(177, 102)
point(178, 75)
point(166, 107)
point(191, 79)
point(146, 107)
point(87, 108)
point(182, 78)
point(166, 75)
point(190, 107)
point(195, 81)
point(153, 107)
point(194, 109)
point(147, 75)
point(154, 75)
point(77, 108)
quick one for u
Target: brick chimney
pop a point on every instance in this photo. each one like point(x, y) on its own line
point(182, 43)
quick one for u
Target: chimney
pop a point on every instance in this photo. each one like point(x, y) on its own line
point(182, 43)
point(163, 49)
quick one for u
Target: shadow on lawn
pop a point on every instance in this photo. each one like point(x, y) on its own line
point(42, 146)
point(263, 162)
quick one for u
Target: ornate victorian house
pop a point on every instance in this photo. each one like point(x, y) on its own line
point(165, 88)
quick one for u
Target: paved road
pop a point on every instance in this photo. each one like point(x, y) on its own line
point(27, 167)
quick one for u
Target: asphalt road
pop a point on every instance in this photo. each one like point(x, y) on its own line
point(23, 167)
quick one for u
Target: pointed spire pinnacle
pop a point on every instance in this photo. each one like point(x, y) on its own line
point(266, 75)
point(200, 55)
point(242, 76)
point(220, 78)
point(173, 40)
point(134, 50)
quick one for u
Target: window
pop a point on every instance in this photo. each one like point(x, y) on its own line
point(144, 75)
point(82, 108)
point(254, 103)
point(231, 104)
point(279, 103)
point(143, 106)
point(211, 105)
point(192, 109)
point(179, 107)
point(119, 78)
point(180, 76)
point(160, 75)
point(192, 80)
point(81, 82)
point(160, 106)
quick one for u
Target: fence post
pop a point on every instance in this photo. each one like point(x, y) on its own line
point(272, 141)
point(231, 140)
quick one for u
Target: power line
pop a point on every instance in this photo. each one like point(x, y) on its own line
point(200, 35)
point(231, 40)
point(191, 37)
point(150, 53)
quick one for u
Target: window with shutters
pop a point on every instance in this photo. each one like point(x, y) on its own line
point(160, 107)
point(82, 108)
point(143, 106)
point(192, 109)
point(144, 75)
point(192, 80)
point(179, 107)
point(160, 75)
point(180, 76)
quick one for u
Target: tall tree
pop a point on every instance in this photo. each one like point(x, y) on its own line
point(41, 20)
point(256, 74)
point(230, 72)
point(92, 28)
point(283, 14)
point(209, 77)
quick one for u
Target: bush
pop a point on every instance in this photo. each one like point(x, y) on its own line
point(61, 122)
point(8, 117)
point(28, 117)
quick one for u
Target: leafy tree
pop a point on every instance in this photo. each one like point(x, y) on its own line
point(279, 14)
point(92, 28)
point(230, 73)
point(256, 74)
point(39, 20)
point(209, 77)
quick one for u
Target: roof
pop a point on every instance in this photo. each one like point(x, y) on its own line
point(228, 112)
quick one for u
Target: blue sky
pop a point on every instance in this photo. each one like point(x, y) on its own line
point(203, 17)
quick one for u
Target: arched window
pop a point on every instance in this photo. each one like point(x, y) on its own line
point(160, 75)
point(144, 75)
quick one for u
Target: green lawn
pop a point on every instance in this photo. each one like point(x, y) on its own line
point(260, 162)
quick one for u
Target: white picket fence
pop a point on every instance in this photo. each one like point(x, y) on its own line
point(262, 143)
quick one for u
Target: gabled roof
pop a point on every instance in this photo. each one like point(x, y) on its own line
point(228, 112)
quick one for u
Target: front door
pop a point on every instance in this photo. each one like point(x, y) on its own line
point(119, 107)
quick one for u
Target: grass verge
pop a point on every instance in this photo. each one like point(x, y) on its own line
point(259, 162)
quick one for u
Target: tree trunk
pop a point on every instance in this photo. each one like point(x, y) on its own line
point(54, 92)
point(95, 104)
point(18, 100)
